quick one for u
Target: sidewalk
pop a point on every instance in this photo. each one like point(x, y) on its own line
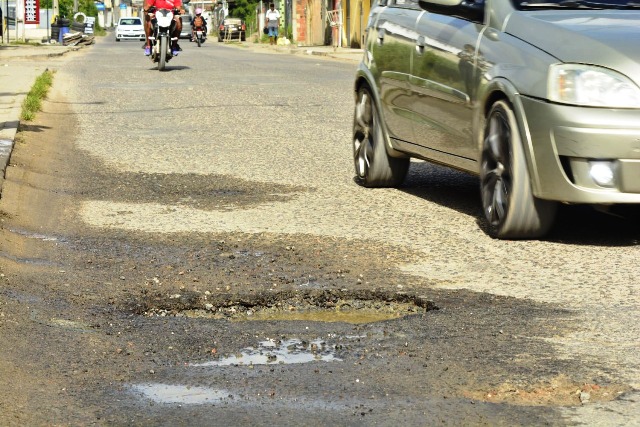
point(20, 66)
point(342, 53)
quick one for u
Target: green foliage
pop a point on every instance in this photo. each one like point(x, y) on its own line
point(245, 9)
point(87, 7)
point(65, 8)
point(38, 92)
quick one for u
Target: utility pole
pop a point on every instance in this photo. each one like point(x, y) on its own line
point(19, 14)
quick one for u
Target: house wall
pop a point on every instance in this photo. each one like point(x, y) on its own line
point(355, 14)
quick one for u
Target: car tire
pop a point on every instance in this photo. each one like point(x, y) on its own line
point(510, 208)
point(373, 165)
point(117, 39)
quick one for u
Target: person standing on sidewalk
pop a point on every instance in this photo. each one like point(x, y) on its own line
point(272, 18)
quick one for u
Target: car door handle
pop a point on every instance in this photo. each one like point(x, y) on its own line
point(380, 37)
point(420, 45)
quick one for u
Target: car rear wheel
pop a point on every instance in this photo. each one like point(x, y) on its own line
point(511, 210)
point(374, 167)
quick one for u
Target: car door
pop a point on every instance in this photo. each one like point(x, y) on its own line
point(443, 85)
point(391, 42)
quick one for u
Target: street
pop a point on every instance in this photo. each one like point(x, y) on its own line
point(188, 247)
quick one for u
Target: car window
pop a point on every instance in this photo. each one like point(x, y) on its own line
point(130, 21)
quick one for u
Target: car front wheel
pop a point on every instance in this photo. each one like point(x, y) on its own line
point(374, 167)
point(511, 210)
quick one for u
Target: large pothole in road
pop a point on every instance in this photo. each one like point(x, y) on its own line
point(357, 307)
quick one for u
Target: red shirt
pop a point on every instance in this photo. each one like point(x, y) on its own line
point(165, 4)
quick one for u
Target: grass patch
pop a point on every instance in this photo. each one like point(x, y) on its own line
point(23, 43)
point(33, 101)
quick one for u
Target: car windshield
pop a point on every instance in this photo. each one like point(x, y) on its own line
point(130, 21)
point(576, 4)
point(232, 21)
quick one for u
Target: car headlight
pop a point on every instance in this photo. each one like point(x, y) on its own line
point(591, 86)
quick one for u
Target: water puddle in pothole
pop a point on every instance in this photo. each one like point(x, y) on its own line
point(291, 351)
point(186, 395)
point(309, 306)
point(355, 317)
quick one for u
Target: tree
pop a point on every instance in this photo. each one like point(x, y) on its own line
point(244, 9)
point(88, 7)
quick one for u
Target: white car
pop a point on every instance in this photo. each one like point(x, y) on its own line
point(130, 28)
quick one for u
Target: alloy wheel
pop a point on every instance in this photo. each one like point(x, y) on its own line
point(497, 174)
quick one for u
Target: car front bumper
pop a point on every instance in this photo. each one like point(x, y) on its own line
point(565, 142)
point(135, 36)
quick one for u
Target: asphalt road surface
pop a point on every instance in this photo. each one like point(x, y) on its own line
point(188, 247)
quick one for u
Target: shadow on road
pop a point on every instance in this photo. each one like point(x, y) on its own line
point(575, 224)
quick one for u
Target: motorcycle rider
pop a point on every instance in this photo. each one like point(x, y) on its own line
point(149, 8)
point(198, 21)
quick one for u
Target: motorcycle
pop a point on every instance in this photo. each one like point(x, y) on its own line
point(199, 35)
point(162, 28)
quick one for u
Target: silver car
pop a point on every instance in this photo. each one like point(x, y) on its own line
point(540, 99)
point(186, 26)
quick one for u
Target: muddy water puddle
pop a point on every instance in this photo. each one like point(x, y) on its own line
point(290, 351)
point(181, 394)
point(355, 317)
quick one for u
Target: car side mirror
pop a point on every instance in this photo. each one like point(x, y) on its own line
point(472, 10)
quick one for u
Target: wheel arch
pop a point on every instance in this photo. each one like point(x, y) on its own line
point(364, 77)
point(502, 89)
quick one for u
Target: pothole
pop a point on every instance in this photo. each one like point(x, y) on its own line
point(356, 307)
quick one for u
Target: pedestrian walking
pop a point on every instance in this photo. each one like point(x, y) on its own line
point(273, 23)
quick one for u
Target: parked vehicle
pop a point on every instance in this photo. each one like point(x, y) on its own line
point(232, 28)
point(130, 29)
point(161, 37)
point(540, 99)
point(186, 26)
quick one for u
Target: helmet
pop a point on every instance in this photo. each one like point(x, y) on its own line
point(198, 11)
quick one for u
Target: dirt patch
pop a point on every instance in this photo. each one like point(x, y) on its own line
point(559, 391)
